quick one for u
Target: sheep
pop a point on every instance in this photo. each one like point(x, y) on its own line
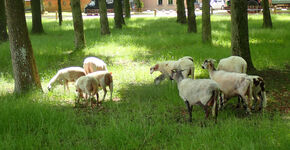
point(185, 63)
point(258, 90)
point(231, 83)
point(204, 92)
point(93, 64)
point(239, 65)
point(105, 79)
point(233, 64)
point(63, 76)
point(89, 86)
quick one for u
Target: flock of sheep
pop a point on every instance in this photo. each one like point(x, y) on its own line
point(229, 80)
point(89, 79)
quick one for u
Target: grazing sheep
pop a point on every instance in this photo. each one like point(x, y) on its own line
point(204, 92)
point(231, 83)
point(258, 90)
point(63, 76)
point(93, 64)
point(89, 86)
point(184, 63)
point(105, 79)
point(239, 65)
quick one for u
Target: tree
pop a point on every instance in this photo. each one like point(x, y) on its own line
point(103, 18)
point(267, 22)
point(36, 17)
point(181, 17)
point(206, 27)
point(127, 8)
point(59, 12)
point(118, 14)
point(240, 34)
point(23, 62)
point(3, 23)
point(191, 16)
point(78, 24)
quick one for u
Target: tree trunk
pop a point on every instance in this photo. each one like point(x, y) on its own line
point(3, 23)
point(59, 12)
point(118, 14)
point(23, 62)
point(191, 16)
point(36, 17)
point(240, 34)
point(103, 17)
point(206, 27)
point(127, 9)
point(181, 17)
point(78, 24)
point(267, 22)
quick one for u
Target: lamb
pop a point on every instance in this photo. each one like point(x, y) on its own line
point(93, 64)
point(204, 92)
point(231, 83)
point(233, 64)
point(63, 76)
point(184, 63)
point(89, 86)
point(105, 79)
point(239, 65)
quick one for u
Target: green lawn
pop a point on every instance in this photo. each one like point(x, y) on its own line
point(142, 115)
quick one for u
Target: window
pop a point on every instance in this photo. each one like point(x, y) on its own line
point(170, 2)
point(159, 2)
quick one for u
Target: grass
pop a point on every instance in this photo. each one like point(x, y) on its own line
point(144, 116)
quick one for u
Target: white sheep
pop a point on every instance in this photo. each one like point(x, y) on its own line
point(105, 79)
point(233, 64)
point(231, 83)
point(89, 86)
point(93, 64)
point(184, 63)
point(63, 76)
point(201, 91)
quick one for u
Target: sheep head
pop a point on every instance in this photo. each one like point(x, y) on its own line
point(177, 75)
point(208, 64)
point(154, 68)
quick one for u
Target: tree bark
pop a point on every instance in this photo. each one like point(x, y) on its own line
point(118, 14)
point(3, 23)
point(206, 27)
point(267, 22)
point(240, 34)
point(127, 9)
point(103, 18)
point(36, 17)
point(181, 17)
point(59, 12)
point(78, 24)
point(23, 62)
point(191, 16)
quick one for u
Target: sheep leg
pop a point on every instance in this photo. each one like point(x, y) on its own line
point(66, 84)
point(189, 108)
point(239, 102)
point(262, 101)
point(159, 79)
point(255, 101)
point(247, 102)
point(222, 100)
point(105, 93)
point(111, 90)
point(97, 94)
point(205, 108)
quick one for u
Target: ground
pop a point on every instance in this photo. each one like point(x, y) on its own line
point(143, 115)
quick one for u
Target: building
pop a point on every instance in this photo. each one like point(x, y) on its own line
point(162, 4)
point(51, 5)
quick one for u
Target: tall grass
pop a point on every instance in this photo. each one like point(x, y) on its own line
point(145, 116)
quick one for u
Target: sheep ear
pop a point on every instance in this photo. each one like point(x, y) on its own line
point(156, 66)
